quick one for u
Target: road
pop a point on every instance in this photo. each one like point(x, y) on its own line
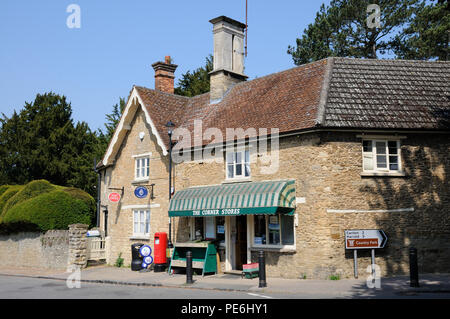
point(17, 287)
point(13, 287)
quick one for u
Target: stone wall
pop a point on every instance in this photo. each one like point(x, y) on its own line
point(35, 250)
point(55, 249)
point(77, 246)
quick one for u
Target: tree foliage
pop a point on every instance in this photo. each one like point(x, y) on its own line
point(42, 142)
point(428, 35)
point(342, 29)
point(112, 120)
point(196, 82)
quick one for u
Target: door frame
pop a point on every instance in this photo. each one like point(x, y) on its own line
point(230, 241)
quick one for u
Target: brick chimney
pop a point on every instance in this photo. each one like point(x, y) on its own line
point(164, 75)
point(228, 56)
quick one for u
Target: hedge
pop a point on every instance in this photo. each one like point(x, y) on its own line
point(54, 210)
point(41, 206)
point(30, 190)
point(10, 191)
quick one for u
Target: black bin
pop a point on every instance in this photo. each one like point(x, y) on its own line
point(136, 259)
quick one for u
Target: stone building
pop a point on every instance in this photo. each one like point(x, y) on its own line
point(288, 162)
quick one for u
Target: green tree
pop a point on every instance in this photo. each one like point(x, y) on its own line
point(196, 82)
point(428, 35)
point(42, 142)
point(341, 29)
point(112, 120)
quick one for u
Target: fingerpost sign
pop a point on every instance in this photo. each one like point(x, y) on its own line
point(364, 239)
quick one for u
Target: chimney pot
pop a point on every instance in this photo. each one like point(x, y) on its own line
point(165, 75)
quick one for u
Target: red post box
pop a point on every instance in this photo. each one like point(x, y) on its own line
point(160, 249)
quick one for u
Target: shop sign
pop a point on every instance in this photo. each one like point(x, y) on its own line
point(365, 239)
point(141, 192)
point(216, 212)
point(114, 197)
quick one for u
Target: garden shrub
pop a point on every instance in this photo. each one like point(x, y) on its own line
point(52, 210)
point(30, 190)
point(3, 188)
point(10, 191)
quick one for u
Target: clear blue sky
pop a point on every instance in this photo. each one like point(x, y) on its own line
point(119, 40)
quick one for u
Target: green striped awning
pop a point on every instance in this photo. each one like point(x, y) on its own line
point(267, 197)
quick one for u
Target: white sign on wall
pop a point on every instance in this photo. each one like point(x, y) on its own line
point(365, 239)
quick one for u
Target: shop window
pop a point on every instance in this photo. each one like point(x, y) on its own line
point(209, 228)
point(220, 230)
point(141, 222)
point(275, 230)
point(238, 164)
point(381, 156)
point(198, 228)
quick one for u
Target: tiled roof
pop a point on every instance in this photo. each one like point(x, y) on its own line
point(388, 94)
point(330, 93)
point(286, 100)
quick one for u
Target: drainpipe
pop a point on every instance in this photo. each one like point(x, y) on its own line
point(98, 191)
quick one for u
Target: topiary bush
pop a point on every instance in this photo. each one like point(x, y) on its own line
point(53, 210)
point(3, 189)
point(10, 191)
point(41, 206)
point(30, 190)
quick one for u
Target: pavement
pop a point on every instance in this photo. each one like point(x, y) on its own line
point(389, 287)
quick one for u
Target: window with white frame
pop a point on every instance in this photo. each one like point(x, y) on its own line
point(381, 156)
point(273, 230)
point(238, 164)
point(142, 167)
point(141, 223)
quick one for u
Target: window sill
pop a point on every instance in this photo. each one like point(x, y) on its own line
point(280, 249)
point(139, 237)
point(387, 174)
point(237, 180)
point(139, 181)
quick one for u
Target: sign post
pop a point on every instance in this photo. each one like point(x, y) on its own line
point(364, 239)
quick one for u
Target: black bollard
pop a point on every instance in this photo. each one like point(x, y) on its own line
point(262, 270)
point(189, 267)
point(413, 268)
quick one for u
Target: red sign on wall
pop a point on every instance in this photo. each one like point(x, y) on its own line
point(362, 243)
point(114, 197)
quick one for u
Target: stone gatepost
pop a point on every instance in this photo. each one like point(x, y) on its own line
point(77, 246)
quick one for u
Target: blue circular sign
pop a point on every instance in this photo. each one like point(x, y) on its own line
point(148, 260)
point(145, 251)
point(141, 192)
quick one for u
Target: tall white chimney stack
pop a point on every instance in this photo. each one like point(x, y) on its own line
point(228, 56)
